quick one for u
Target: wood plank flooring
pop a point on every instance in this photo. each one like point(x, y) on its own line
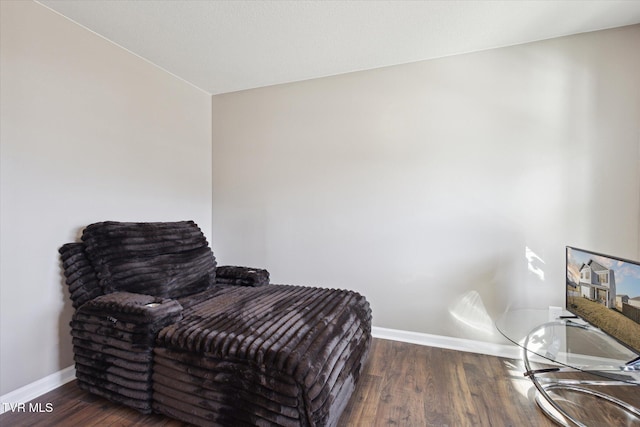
point(412, 385)
point(402, 385)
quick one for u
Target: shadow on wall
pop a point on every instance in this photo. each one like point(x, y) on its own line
point(65, 347)
point(65, 353)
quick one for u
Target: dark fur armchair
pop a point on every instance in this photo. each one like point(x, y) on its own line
point(159, 327)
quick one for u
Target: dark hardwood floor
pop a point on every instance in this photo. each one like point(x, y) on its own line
point(412, 385)
point(402, 385)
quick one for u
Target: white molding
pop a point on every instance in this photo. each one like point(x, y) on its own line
point(38, 388)
point(451, 343)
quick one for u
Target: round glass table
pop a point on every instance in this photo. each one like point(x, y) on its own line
point(583, 376)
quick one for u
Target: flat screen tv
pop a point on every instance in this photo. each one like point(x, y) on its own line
point(604, 290)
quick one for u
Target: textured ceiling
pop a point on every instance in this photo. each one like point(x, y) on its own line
point(226, 46)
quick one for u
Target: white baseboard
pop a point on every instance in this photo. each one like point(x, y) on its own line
point(57, 379)
point(451, 343)
point(37, 388)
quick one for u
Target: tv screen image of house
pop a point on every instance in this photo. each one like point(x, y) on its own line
point(604, 290)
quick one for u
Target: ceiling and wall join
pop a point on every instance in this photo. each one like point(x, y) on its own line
point(226, 46)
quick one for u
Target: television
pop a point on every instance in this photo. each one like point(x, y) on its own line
point(604, 291)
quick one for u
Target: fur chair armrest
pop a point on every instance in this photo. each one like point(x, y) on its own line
point(114, 337)
point(143, 315)
point(242, 276)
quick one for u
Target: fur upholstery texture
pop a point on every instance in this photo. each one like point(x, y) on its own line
point(81, 278)
point(302, 347)
point(161, 259)
point(242, 276)
point(159, 327)
point(113, 339)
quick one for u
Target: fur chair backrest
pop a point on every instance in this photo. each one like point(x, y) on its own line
point(161, 259)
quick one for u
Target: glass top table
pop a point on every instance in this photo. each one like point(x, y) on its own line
point(564, 345)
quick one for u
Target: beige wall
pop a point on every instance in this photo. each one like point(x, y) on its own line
point(89, 132)
point(443, 190)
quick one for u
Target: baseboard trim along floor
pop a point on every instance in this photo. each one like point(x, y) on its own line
point(37, 388)
point(451, 343)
